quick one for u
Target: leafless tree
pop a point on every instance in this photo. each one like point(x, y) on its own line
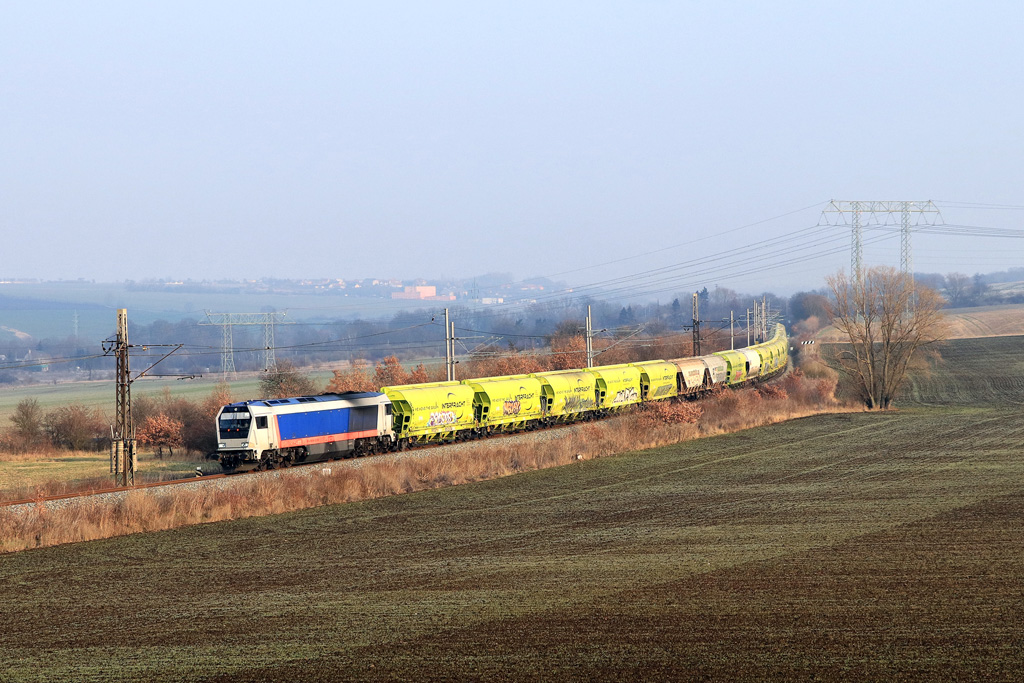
point(287, 381)
point(886, 320)
point(958, 289)
point(28, 420)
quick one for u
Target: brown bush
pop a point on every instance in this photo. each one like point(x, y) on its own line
point(218, 398)
point(286, 381)
point(772, 392)
point(504, 365)
point(659, 413)
point(161, 431)
point(808, 391)
point(355, 378)
point(389, 372)
point(568, 353)
point(75, 427)
point(28, 421)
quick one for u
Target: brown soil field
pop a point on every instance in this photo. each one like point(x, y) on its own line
point(863, 546)
point(967, 323)
point(868, 546)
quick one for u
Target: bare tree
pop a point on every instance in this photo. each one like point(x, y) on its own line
point(886, 320)
point(28, 420)
point(958, 289)
point(287, 381)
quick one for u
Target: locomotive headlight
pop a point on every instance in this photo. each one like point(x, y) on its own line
point(222, 445)
point(244, 444)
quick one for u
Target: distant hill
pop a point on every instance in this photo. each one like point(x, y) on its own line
point(10, 334)
point(986, 321)
point(968, 323)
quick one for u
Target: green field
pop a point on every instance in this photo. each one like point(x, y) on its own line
point(863, 546)
point(46, 309)
point(100, 394)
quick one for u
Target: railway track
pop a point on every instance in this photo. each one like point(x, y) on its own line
point(113, 490)
point(234, 475)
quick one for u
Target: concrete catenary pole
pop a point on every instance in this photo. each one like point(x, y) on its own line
point(590, 339)
point(448, 367)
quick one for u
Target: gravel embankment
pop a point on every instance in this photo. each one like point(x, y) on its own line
point(224, 483)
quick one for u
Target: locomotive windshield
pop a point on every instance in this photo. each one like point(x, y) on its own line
point(234, 423)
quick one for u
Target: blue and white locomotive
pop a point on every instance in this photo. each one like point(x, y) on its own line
point(279, 432)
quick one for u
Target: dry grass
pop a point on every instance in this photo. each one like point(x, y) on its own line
point(143, 511)
point(50, 472)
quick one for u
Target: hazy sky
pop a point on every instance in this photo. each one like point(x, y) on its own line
point(332, 139)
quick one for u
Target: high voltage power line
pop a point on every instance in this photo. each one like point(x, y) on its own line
point(790, 249)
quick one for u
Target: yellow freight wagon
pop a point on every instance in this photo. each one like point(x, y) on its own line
point(657, 380)
point(435, 411)
point(567, 394)
point(737, 365)
point(506, 403)
point(618, 386)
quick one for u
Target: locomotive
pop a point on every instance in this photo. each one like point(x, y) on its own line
point(264, 434)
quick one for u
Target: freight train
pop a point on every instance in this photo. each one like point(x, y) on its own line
point(271, 433)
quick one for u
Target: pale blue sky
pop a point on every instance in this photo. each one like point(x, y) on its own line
point(330, 139)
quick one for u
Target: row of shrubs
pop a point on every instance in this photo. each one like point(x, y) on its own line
point(164, 422)
point(173, 423)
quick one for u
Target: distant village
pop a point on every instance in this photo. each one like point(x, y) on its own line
point(486, 290)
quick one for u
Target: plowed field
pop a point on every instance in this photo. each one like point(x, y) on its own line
point(854, 546)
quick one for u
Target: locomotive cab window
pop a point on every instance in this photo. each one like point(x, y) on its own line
point(261, 422)
point(234, 424)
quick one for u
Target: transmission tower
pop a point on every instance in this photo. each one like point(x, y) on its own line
point(229, 320)
point(877, 213)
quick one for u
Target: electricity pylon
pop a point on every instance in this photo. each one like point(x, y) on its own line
point(229, 320)
point(879, 213)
